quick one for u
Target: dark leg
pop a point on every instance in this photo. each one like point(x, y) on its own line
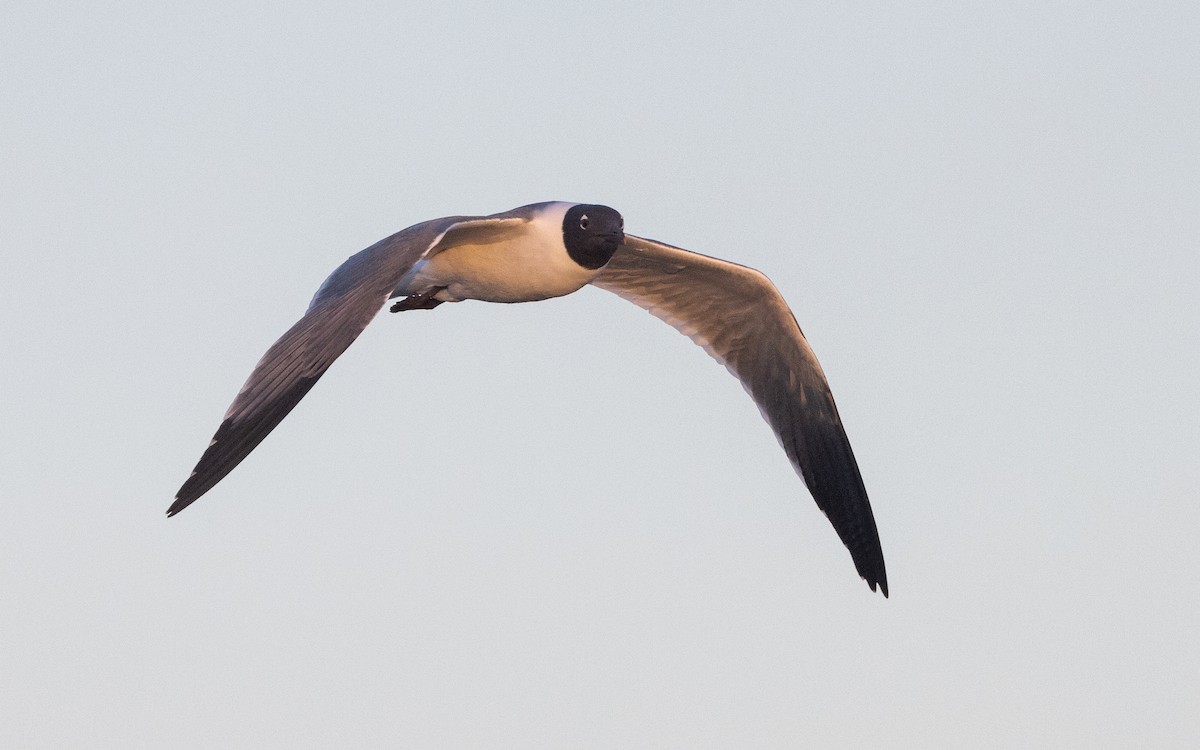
point(422, 301)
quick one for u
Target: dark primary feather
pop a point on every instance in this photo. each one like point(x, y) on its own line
point(739, 317)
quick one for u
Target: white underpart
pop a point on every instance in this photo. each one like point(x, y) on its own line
point(530, 263)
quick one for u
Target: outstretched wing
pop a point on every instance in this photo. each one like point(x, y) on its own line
point(740, 319)
point(289, 369)
point(343, 306)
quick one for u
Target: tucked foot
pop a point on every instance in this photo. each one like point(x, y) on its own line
point(423, 301)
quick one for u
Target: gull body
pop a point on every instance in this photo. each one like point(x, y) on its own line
point(507, 266)
point(546, 250)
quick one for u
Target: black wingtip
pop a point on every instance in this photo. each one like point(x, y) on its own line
point(187, 493)
point(882, 587)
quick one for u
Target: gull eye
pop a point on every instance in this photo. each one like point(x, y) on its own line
point(583, 222)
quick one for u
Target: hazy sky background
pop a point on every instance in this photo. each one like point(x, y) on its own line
point(560, 524)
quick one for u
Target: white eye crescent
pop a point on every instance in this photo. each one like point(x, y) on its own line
point(583, 222)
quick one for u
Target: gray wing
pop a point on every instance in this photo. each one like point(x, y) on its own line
point(740, 319)
point(341, 309)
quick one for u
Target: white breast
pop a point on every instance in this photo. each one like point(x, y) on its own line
point(530, 263)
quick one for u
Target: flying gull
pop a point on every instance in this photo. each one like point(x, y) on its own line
point(546, 250)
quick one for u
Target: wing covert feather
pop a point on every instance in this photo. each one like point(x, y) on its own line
point(741, 320)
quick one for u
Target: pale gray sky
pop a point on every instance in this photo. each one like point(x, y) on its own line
point(560, 524)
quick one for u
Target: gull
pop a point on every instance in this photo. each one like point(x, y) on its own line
point(547, 250)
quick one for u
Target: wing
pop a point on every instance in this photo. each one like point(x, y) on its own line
point(740, 319)
point(341, 309)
